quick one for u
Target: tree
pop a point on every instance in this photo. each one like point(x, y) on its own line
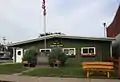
point(57, 55)
point(31, 57)
point(49, 33)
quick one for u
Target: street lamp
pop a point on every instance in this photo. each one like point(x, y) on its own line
point(4, 39)
point(104, 24)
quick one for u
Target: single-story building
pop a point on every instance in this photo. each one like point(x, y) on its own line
point(82, 48)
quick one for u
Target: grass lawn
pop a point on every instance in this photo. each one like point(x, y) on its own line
point(72, 69)
point(63, 72)
point(56, 72)
point(11, 68)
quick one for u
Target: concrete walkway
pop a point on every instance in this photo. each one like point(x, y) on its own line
point(29, 69)
point(15, 78)
point(5, 63)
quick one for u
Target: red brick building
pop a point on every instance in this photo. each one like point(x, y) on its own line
point(114, 29)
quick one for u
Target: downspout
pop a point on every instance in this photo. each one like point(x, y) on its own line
point(111, 49)
point(14, 57)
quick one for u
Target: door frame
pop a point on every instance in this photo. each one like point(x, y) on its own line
point(21, 50)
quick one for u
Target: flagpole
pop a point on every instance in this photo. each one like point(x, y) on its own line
point(44, 22)
point(44, 26)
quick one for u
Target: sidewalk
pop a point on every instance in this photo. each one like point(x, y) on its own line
point(15, 78)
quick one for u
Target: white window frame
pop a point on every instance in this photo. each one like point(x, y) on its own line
point(70, 48)
point(45, 49)
point(88, 51)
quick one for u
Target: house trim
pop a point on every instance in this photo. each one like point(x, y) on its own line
point(61, 36)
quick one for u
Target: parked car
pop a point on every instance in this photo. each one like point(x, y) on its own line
point(4, 56)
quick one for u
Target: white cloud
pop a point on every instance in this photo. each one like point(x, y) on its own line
point(22, 19)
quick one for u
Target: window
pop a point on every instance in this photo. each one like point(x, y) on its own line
point(45, 52)
point(69, 51)
point(19, 52)
point(85, 51)
point(91, 50)
point(88, 51)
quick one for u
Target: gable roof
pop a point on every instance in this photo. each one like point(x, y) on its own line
point(60, 36)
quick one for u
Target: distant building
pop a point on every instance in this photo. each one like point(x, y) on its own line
point(5, 52)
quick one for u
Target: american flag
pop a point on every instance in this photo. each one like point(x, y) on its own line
point(43, 7)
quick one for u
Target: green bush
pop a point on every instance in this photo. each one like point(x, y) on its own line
point(57, 54)
point(31, 56)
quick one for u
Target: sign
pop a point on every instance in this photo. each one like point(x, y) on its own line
point(56, 44)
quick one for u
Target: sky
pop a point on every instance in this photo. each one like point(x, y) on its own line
point(23, 19)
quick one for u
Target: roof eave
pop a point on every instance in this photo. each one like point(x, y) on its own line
point(69, 37)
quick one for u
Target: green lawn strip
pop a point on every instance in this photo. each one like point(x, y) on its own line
point(62, 72)
point(11, 68)
point(56, 72)
point(72, 69)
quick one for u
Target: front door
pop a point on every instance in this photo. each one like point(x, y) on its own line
point(19, 55)
point(43, 56)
